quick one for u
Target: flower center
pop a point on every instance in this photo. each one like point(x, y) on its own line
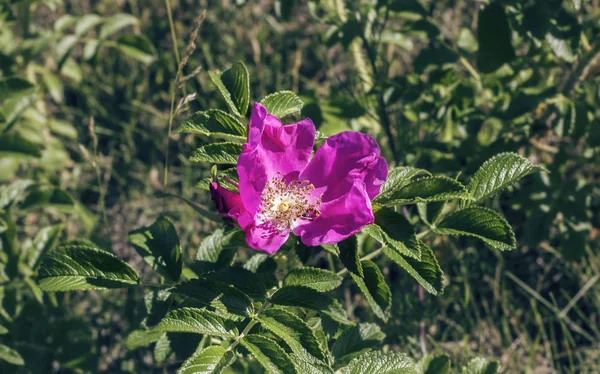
point(282, 204)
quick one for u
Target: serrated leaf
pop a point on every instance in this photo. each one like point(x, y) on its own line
point(234, 87)
point(242, 279)
point(349, 255)
point(376, 291)
point(356, 339)
point(214, 122)
point(494, 38)
point(481, 223)
point(393, 229)
point(270, 355)
point(400, 176)
point(294, 332)
point(15, 86)
point(424, 190)
point(138, 47)
point(80, 267)
point(15, 145)
point(218, 153)
point(378, 362)
point(225, 179)
point(309, 367)
point(141, 338)
point(499, 172)
point(116, 23)
point(207, 291)
point(11, 356)
point(197, 321)
point(318, 279)
point(157, 303)
point(439, 364)
point(217, 250)
point(162, 349)
point(44, 241)
point(480, 365)
point(305, 297)
point(282, 103)
point(158, 244)
point(210, 360)
point(427, 271)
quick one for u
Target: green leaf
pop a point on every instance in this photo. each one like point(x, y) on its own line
point(494, 38)
point(11, 356)
point(208, 291)
point(116, 23)
point(305, 297)
point(218, 250)
point(317, 279)
point(44, 241)
point(15, 86)
point(282, 103)
point(137, 47)
point(293, 331)
point(42, 196)
point(197, 321)
point(53, 85)
point(63, 49)
point(349, 255)
point(424, 190)
point(356, 339)
point(393, 229)
point(481, 223)
point(14, 192)
point(400, 176)
point(141, 338)
point(499, 172)
point(214, 122)
point(3, 330)
point(157, 303)
point(480, 365)
point(158, 244)
point(225, 178)
point(86, 23)
point(426, 271)
point(376, 291)
point(242, 279)
point(309, 367)
point(80, 267)
point(15, 145)
point(218, 153)
point(234, 87)
point(378, 362)
point(210, 360)
point(439, 364)
point(270, 355)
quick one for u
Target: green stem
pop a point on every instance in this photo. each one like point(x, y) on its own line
point(173, 90)
point(249, 326)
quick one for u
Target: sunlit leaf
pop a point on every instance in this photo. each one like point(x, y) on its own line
point(270, 355)
point(218, 153)
point(319, 279)
point(234, 87)
point(79, 267)
point(481, 223)
point(282, 103)
point(197, 321)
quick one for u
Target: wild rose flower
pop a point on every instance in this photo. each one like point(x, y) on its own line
point(325, 199)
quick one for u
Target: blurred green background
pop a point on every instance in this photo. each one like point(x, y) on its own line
point(442, 85)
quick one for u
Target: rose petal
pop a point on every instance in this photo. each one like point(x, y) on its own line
point(272, 149)
point(266, 238)
point(346, 156)
point(340, 218)
point(224, 199)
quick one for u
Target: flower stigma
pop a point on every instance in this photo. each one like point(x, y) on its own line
point(283, 204)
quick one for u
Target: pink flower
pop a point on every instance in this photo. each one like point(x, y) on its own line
point(323, 199)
